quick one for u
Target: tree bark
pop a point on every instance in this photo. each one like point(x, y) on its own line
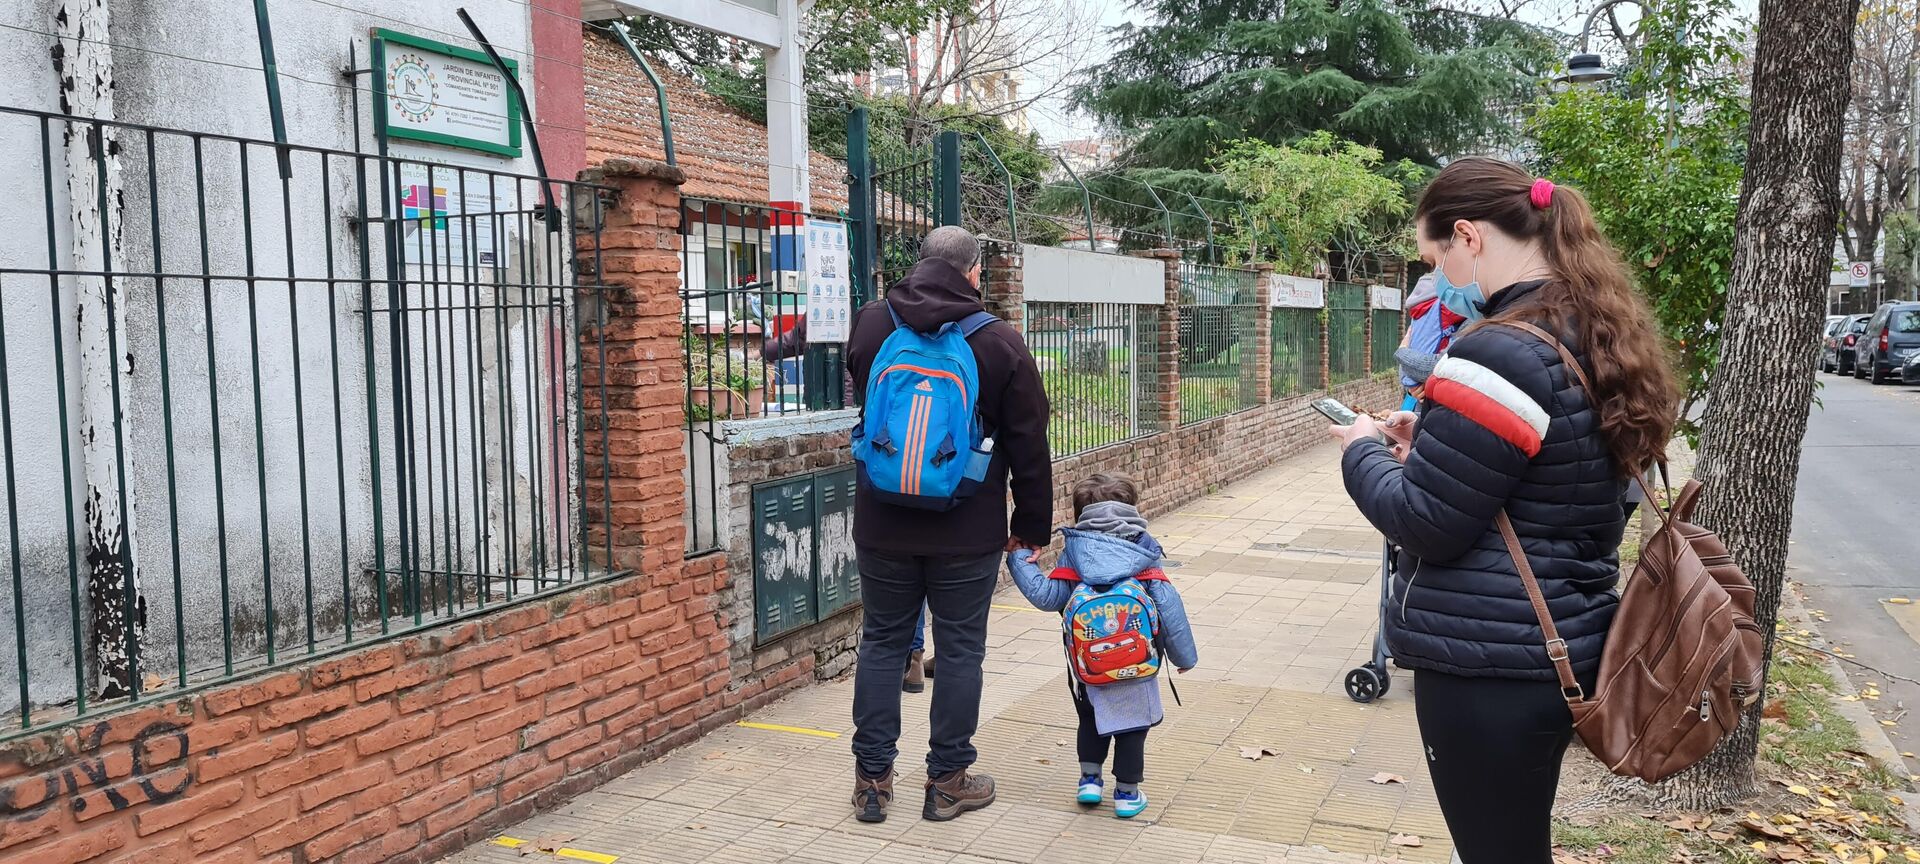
point(1783, 245)
point(116, 617)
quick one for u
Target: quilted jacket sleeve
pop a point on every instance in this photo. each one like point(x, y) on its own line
point(1176, 633)
point(1491, 399)
point(1044, 592)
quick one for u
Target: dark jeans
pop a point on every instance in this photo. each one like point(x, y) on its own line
point(1493, 750)
point(1129, 748)
point(958, 591)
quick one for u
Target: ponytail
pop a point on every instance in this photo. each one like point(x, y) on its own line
point(1589, 294)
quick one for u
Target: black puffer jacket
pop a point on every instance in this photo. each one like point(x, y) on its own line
point(1505, 424)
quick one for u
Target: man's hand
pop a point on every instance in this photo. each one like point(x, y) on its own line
point(1017, 543)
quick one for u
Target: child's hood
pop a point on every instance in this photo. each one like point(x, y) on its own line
point(1103, 559)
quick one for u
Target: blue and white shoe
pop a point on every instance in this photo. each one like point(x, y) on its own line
point(1127, 805)
point(1090, 791)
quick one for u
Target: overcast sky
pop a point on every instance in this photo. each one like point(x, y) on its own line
point(1055, 122)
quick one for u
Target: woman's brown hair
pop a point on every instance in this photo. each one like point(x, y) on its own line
point(1590, 293)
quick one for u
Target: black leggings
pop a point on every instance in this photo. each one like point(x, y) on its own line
point(1129, 748)
point(1493, 750)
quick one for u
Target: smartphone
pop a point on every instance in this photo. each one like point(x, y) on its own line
point(1338, 413)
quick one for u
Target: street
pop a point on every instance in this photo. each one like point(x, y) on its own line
point(1854, 511)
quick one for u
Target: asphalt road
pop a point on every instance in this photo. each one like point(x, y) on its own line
point(1856, 535)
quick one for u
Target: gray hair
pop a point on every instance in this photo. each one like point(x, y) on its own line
point(952, 244)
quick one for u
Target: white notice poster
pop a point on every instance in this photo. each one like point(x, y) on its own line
point(829, 282)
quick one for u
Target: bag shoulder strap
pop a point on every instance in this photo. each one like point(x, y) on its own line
point(1556, 646)
point(1580, 375)
point(972, 323)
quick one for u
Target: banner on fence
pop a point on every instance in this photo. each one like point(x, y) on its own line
point(1384, 298)
point(829, 283)
point(1052, 274)
point(448, 216)
point(1299, 292)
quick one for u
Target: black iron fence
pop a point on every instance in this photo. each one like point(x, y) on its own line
point(1297, 351)
point(1100, 364)
point(1218, 317)
point(261, 402)
point(1346, 332)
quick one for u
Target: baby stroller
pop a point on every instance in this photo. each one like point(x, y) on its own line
point(1372, 681)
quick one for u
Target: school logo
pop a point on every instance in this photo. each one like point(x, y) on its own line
point(412, 88)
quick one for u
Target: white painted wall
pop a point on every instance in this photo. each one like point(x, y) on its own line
point(193, 66)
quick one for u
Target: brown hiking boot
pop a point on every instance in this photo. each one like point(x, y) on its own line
point(926, 666)
point(915, 681)
point(956, 794)
point(871, 795)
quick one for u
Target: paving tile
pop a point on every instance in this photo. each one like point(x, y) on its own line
point(1280, 575)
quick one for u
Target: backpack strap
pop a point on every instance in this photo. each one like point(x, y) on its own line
point(972, 323)
point(898, 324)
point(1580, 375)
point(1556, 646)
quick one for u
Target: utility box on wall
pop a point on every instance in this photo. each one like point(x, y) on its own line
point(803, 561)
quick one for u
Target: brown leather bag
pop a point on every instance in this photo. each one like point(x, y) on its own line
point(1683, 656)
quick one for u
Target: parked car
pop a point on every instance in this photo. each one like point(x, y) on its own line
point(1833, 325)
point(1910, 373)
point(1892, 335)
point(1836, 353)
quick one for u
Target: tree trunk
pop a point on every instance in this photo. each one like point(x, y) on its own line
point(116, 618)
point(1783, 245)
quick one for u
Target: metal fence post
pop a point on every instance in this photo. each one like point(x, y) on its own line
point(860, 208)
point(946, 191)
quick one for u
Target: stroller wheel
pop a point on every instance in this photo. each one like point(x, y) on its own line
point(1367, 683)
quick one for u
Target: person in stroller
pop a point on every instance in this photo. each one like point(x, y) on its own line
point(1121, 620)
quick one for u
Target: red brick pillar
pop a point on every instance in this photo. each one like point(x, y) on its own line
point(1262, 366)
point(1326, 347)
point(1167, 362)
point(1005, 283)
point(631, 371)
point(1366, 304)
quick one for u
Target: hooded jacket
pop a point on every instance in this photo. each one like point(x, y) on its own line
point(1505, 425)
point(1013, 410)
point(1103, 560)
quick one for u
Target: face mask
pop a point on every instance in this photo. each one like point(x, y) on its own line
point(1461, 300)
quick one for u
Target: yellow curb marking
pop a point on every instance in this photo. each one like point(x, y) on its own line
point(1005, 608)
point(797, 730)
point(575, 854)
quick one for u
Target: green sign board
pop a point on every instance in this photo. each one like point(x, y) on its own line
point(426, 90)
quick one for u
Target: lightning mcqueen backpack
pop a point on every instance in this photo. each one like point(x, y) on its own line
point(1111, 634)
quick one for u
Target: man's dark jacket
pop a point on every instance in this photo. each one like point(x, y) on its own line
point(1013, 410)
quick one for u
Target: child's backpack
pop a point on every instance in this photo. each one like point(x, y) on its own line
point(919, 440)
point(1111, 633)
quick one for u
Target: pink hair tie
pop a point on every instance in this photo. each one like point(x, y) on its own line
point(1541, 193)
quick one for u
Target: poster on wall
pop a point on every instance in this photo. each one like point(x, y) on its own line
point(829, 282)
point(443, 94)
point(1384, 298)
point(447, 222)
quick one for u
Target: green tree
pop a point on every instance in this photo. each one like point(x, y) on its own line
point(1304, 196)
point(1661, 156)
point(1413, 81)
point(1902, 245)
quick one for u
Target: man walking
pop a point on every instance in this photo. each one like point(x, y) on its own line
point(910, 551)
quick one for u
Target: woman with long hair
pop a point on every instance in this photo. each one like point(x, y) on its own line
point(1506, 426)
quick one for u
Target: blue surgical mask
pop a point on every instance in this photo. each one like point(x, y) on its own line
point(1461, 300)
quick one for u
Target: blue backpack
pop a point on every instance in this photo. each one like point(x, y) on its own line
point(919, 440)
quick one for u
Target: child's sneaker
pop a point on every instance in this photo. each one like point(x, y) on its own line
point(1089, 791)
point(1127, 805)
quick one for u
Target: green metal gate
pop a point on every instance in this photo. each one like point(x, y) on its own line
point(896, 196)
point(803, 562)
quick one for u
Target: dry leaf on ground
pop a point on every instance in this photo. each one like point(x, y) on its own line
point(1255, 753)
point(1383, 778)
point(1408, 840)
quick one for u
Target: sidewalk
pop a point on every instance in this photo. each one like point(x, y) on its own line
point(1280, 576)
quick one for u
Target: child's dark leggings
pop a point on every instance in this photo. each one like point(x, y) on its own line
point(1129, 748)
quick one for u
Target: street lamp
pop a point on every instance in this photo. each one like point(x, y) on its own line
point(1585, 67)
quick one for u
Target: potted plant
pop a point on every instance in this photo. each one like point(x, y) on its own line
point(723, 384)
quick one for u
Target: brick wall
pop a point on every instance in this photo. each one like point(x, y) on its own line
point(410, 749)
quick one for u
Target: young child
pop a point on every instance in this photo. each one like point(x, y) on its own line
point(1108, 575)
point(1430, 330)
